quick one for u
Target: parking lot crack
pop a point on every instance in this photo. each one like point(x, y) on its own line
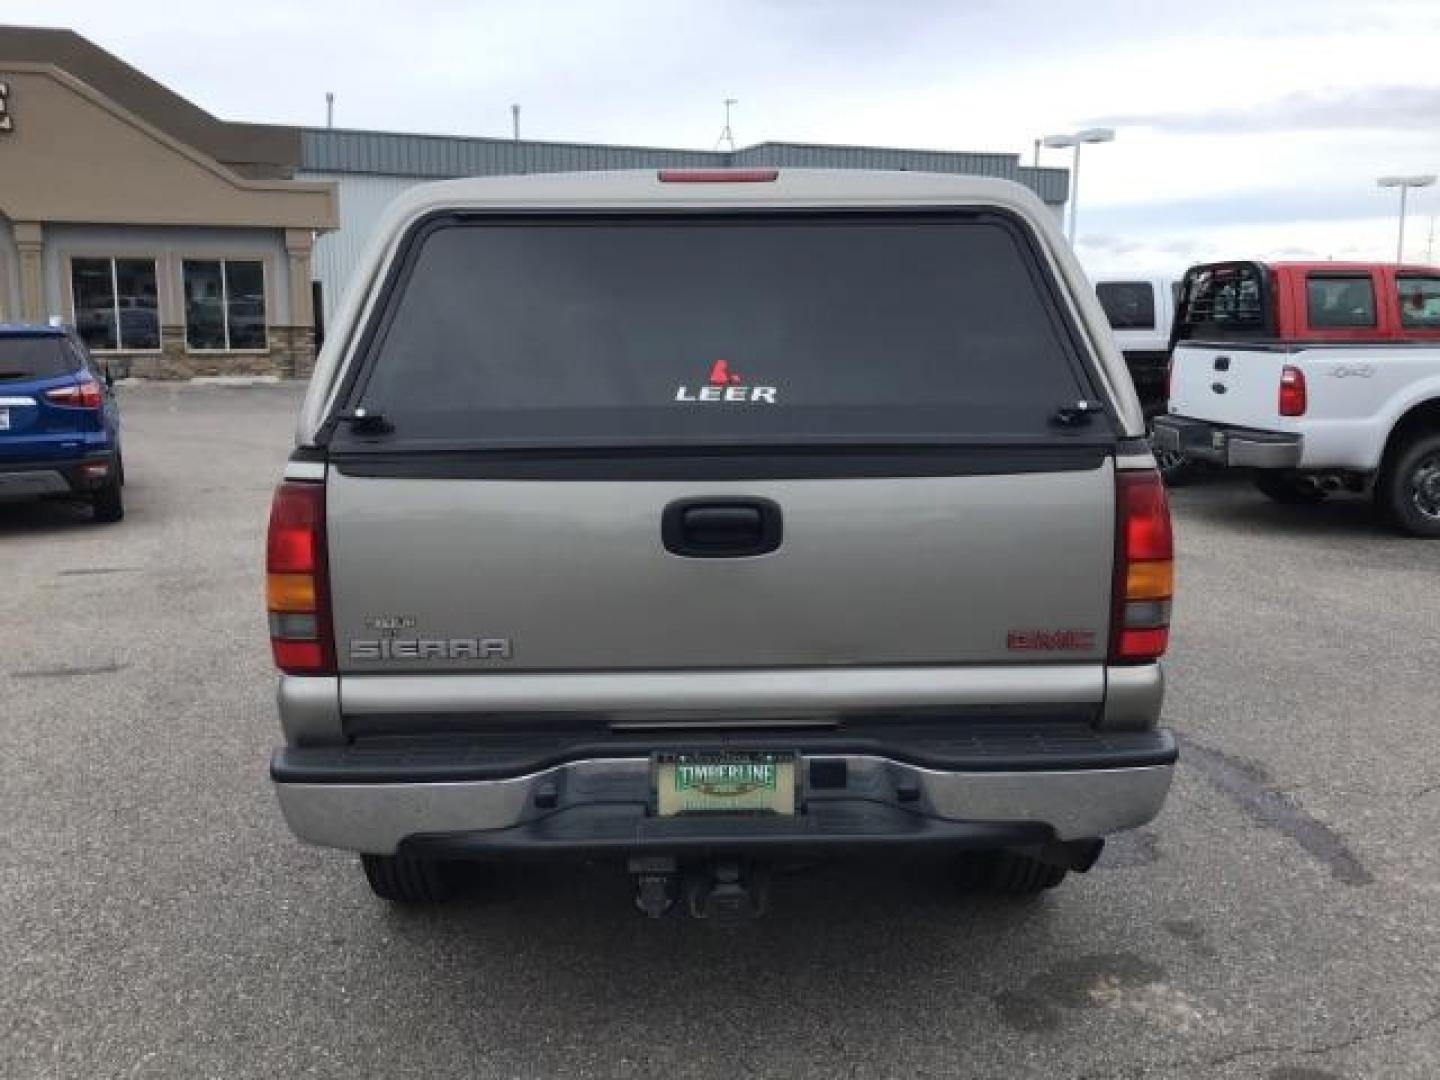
point(69, 672)
point(1384, 1031)
point(1187, 1066)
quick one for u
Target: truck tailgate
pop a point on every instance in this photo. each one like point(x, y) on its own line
point(1227, 384)
point(575, 575)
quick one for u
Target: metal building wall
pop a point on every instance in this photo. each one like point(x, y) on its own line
point(370, 168)
point(1052, 185)
point(362, 199)
point(824, 156)
point(436, 157)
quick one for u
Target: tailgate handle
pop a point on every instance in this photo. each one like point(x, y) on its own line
point(721, 528)
point(1222, 363)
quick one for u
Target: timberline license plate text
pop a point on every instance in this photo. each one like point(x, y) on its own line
point(745, 782)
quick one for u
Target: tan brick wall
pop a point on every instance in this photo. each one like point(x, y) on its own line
point(295, 345)
point(291, 356)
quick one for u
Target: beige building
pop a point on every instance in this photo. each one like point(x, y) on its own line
point(176, 243)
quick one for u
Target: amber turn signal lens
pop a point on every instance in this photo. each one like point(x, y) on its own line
point(1150, 580)
point(289, 592)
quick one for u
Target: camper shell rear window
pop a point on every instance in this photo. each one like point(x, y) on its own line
point(739, 329)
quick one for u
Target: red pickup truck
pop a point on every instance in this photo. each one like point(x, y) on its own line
point(1321, 376)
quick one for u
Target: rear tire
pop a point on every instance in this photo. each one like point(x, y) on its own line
point(1285, 488)
point(108, 501)
point(1408, 493)
point(1009, 873)
point(404, 879)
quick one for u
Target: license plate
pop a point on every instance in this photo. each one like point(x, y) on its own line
point(724, 782)
point(4, 419)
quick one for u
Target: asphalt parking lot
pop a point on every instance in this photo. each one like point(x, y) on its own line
point(1280, 920)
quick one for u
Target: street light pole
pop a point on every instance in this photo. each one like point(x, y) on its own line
point(1400, 243)
point(1404, 183)
point(1074, 192)
point(1074, 142)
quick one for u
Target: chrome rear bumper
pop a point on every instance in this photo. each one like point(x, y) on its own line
point(1219, 444)
point(881, 802)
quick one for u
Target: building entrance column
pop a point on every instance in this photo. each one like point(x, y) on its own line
point(29, 241)
point(299, 243)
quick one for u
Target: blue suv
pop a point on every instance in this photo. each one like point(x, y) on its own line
point(59, 421)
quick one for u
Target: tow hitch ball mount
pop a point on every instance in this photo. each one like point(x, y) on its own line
point(727, 891)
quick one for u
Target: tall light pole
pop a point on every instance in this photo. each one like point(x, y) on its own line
point(1076, 140)
point(1404, 183)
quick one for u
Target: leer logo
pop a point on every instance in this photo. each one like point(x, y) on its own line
point(726, 385)
point(720, 374)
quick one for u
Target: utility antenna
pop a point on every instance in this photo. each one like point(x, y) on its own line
point(726, 135)
point(329, 108)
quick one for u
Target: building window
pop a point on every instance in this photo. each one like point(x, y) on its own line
point(225, 304)
point(115, 304)
point(1338, 302)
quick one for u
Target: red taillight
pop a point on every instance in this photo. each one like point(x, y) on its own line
point(718, 176)
point(83, 395)
point(1293, 398)
point(300, 657)
point(1144, 568)
point(296, 587)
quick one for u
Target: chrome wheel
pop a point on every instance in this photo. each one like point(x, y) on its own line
point(1425, 486)
point(1408, 491)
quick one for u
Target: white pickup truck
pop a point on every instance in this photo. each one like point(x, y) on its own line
point(1320, 376)
point(1140, 310)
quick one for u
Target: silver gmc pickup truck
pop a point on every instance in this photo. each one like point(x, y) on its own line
point(703, 519)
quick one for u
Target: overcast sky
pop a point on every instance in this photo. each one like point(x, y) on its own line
point(1254, 127)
